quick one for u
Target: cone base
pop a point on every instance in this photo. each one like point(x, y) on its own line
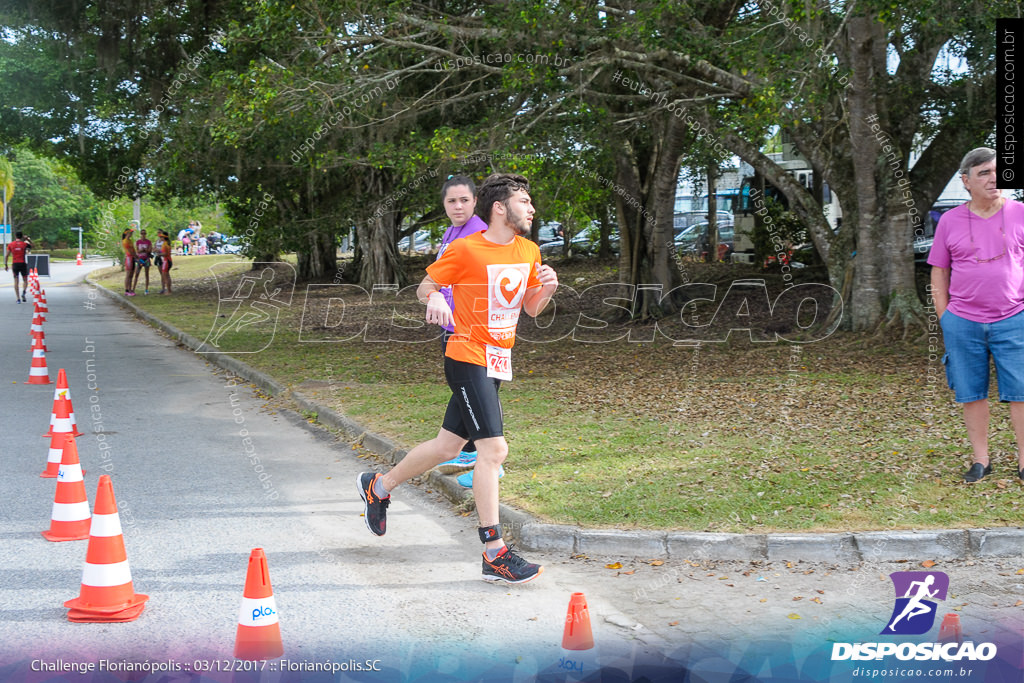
point(83, 617)
point(81, 606)
point(51, 535)
point(256, 643)
point(34, 381)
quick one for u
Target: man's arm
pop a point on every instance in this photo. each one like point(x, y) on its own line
point(536, 299)
point(438, 311)
point(940, 289)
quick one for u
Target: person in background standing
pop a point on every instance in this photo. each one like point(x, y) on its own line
point(977, 284)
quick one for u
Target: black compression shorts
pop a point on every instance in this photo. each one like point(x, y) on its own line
point(20, 269)
point(474, 410)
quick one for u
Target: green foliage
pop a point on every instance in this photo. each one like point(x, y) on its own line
point(50, 200)
point(777, 225)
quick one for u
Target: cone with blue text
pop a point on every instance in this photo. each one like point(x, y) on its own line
point(579, 659)
point(62, 418)
point(108, 594)
point(37, 373)
point(69, 520)
point(259, 634)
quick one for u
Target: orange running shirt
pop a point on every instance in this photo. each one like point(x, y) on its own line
point(488, 283)
point(128, 246)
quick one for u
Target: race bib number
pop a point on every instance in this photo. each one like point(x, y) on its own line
point(499, 363)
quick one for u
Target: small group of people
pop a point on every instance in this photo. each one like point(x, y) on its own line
point(193, 241)
point(18, 250)
point(140, 254)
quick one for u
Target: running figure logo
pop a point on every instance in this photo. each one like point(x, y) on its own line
point(915, 608)
point(252, 307)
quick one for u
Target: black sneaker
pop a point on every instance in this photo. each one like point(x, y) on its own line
point(375, 510)
point(510, 568)
point(977, 472)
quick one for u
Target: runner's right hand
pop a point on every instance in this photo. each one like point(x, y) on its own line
point(438, 310)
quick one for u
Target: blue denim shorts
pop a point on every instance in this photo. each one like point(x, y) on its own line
point(968, 348)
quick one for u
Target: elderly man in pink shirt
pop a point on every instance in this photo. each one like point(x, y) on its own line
point(978, 287)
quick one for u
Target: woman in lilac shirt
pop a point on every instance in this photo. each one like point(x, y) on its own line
point(458, 195)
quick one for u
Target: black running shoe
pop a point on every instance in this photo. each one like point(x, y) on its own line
point(375, 510)
point(510, 568)
point(977, 472)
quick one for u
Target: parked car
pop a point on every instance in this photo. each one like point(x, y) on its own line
point(549, 232)
point(694, 240)
point(925, 235)
point(421, 243)
point(580, 244)
point(689, 218)
point(230, 245)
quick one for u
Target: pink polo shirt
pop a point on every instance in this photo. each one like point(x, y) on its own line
point(985, 291)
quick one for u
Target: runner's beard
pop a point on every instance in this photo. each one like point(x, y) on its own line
point(521, 226)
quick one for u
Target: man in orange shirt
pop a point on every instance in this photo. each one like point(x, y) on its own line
point(494, 275)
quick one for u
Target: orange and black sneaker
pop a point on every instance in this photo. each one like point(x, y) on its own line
point(375, 510)
point(510, 568)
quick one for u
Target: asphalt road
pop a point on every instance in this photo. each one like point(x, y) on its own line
point(194, 503)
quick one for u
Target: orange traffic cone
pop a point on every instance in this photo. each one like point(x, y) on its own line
point(577, 634)
point(107, 592)
point(38, 312)
point(38, 374)
point(42, 300)
point(62, 419)
point(78, 259)
point(53, 457)
point(259, 634)
point(576, 638)
point(37, 334)
point(70, 518)
point(950, 630)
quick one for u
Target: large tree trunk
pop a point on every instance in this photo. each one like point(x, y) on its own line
point(380, 264)
point(319, 259)
point(868, 281)
point(645, 206)
point(377, 236)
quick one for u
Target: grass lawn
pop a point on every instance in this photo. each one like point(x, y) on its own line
point(843, 433)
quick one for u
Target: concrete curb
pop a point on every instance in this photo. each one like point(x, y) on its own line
point(846, 548)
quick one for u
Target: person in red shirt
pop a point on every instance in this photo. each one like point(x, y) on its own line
point(18, 249)
point(494, 275)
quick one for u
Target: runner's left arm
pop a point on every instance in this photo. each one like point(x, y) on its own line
point(537, 298)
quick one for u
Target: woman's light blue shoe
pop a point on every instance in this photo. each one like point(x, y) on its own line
point(466, 480)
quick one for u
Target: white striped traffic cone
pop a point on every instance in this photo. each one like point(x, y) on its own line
point(69, 520)
point(38, 374)
point(107, 593)
point(62, 419)
point(37, 334)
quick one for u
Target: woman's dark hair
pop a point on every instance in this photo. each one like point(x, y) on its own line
point(498, 188)
point(455, 181)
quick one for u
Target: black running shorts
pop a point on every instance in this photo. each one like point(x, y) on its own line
point(474, 411)
point(20, 269)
